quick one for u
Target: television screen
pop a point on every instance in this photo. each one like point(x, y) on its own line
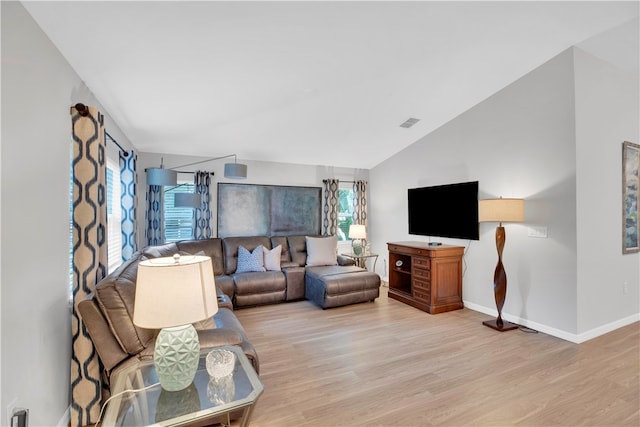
point(445, 211)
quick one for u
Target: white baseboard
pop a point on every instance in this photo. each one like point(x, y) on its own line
point(558, 333)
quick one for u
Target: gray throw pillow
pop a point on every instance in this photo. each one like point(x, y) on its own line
point(250, 261)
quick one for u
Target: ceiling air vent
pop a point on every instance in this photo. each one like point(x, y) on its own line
point(410, 122)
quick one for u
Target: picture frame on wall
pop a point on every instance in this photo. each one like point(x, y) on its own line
point(630, 195)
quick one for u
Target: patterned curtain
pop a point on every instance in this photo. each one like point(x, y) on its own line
point(89, 255)
point(155, 215)
point(360, 202)
point(330, 221)
point(128, 202)
point(202, 214)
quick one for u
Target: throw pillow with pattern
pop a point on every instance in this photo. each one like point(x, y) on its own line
point(250, 261)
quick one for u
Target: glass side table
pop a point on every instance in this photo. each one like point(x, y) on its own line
point(205, 401)
point(361, 260)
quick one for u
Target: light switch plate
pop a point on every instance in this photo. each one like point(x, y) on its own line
point(537, 231)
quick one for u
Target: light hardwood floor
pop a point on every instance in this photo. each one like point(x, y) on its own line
point(388, 364)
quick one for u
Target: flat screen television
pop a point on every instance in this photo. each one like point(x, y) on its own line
point(445, 211)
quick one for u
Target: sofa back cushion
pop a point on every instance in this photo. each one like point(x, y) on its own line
point(230, 247)
point(115, 295)
point(210, 247)
point(298, 249)
point(168, 249)
point(285, 255)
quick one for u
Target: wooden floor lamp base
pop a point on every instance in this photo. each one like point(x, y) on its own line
point(506, 326)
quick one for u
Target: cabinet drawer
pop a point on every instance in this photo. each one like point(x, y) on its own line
point(407, 249)
point(420, 262)
point(421, 285)
point(421, 295)
point(421, 274)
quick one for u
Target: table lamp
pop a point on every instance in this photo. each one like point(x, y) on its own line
point(171, 294)
point(357, 232)
point(500, 210)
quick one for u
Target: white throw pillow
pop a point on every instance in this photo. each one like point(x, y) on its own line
point(322, 250)
point(272, 258)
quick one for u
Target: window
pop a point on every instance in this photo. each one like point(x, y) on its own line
point(178, 221)
point(345, 210)
point(114, 213)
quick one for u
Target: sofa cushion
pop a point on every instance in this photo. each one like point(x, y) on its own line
point(230, 247)
point(285, 255)
point(116, 295)
point(272, 258)
point(298, 249)
point(250, 261)
point(168, 249)
point(211, 248)
point(322, 250)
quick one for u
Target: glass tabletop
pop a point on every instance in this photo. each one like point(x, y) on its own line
point(206, 397)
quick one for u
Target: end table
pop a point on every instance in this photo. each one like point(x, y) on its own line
point(204, 402)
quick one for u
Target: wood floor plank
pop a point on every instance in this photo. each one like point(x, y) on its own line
point(388, 364)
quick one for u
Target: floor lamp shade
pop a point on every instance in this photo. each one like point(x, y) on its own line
point(235, 170)
point(500, 210)
point(161, 176)
point(171, 294)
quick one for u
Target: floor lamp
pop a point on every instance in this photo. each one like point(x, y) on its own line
point(500, 210)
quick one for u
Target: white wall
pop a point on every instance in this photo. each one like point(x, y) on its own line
point(38, 89)
point(606, 115)
point(517, 143)
point(553, 137)
point(267, 173)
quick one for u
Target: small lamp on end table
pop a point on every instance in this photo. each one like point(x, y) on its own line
point(171, 294)
point(500, 210)
point(357, 232)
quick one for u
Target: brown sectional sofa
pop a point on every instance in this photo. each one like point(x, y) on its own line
point(108, 312)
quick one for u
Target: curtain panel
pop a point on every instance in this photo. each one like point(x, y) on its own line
point(202, 214)
point(360, 202)
point(330, 208)
point(89, 250)
point(128, 202)
point(154, 215)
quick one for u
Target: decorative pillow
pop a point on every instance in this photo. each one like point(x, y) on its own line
point(272, 258)
point(250, 261)
point(322, 251)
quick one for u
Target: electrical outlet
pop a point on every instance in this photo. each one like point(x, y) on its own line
point(11, 407)
point(20, 418)
point(625, 288)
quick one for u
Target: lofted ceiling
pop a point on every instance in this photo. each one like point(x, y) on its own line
point(322, 83)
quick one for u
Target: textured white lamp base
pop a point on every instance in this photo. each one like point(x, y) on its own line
point(176, 357)
point(356, 245)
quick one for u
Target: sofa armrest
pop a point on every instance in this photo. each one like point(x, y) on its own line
point(210, 338)
point(223, 299)
point(345, 260)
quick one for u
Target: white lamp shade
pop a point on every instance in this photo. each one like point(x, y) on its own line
point(501, 210)
point(187, 200)
point(170, 293)
point(161, 176)
point(235, 170)
point(357, 231)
